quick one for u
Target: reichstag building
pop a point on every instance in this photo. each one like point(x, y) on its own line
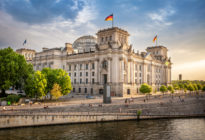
point(91, 62)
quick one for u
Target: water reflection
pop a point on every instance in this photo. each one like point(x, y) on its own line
point(128, 130)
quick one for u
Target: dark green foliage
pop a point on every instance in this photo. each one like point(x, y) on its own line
point(14, 69)
point(203, 88)
point(13, 98)
point(145, 88)
point(58, 76)
point(199, 86)
point(163, 89)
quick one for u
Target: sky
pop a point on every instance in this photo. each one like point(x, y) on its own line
point(179, 24)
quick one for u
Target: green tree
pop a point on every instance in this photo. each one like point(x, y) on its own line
point(14, 69)
point(200, 87)
point(56, 91)
point(36, 85)
point(195, 87)
point(190, 88)
point(51, 77)
point(176, 86)
point(170, 88)
point(203, 89)
point(181, 86)
point(163, 89)
point(145, 88)
point(58, 76)
point(63, 79)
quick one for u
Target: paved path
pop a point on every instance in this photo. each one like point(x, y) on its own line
point(155, 105)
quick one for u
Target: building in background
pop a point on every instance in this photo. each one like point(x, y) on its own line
point(29, 54)
point(91, 62)
point(180, 77)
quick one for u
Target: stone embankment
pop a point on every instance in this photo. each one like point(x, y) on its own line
point(153, 108)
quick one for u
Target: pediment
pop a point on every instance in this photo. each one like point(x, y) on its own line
point(103, 71)
point(149, 56)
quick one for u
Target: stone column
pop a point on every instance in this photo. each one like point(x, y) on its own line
point(109, 70)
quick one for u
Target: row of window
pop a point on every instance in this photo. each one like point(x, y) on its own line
point(106, 38)
point(140, 67)
point(81, 74)
point(85, 90)
point(86, 81)
point(81, 66)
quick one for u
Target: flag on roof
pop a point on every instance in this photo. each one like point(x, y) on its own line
point(24, 42)
point(110, 17)
point(155, 38)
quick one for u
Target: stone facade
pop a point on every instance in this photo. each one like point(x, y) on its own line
point(113, 61)
point(27, 53)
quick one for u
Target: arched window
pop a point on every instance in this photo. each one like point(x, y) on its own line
point(104, 64)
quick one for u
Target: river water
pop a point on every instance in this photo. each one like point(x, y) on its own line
point(164, 129)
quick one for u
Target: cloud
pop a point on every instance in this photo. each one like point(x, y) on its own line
point(53, 33)
point(41, 11)
point(160, 17)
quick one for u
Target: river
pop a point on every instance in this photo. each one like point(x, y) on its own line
point(164, 129)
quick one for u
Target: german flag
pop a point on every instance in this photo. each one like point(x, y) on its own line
point(155, 38)
point(110, 17)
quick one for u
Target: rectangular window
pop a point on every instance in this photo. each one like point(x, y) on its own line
point(75, 67)
point(91, 90)
point(140, 74)
point(93, 80)
point(136, 67)
point(81, 66)
point(128, 91)
point(80, 74)
point(135, 74)
point(79, 90)
point(136, 81)
point(75, 74)
point(110, 38)
point(93, 65)
point(86, 66)
point(80, 81)
point(93, 73)
point(86, 73)
point(73, 89)
point(102, 39)
point(140, 81)
point(86, 80)
point(140, 68)
point(85, 90)
point(70, 74)
point(74, 81)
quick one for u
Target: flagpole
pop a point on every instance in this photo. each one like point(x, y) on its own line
point(156, 41)
point(112, 20)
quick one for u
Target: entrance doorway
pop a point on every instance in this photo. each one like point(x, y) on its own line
point(104, 78)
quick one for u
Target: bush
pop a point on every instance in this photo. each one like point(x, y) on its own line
point(13, 98)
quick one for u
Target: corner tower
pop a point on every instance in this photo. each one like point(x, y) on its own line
point(114, 36)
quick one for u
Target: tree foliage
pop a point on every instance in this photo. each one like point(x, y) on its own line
point(203, 88)
point(190, 87)
point(14, 69)
point(163, 89)
point(200, 87)
point(171, 89)
point(58, 76)
point(36, 85)
point(145, 88)
point(56, 91)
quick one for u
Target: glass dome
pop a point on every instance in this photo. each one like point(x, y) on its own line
point(85, 43)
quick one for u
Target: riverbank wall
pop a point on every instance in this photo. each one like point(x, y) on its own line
point(13, 121)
